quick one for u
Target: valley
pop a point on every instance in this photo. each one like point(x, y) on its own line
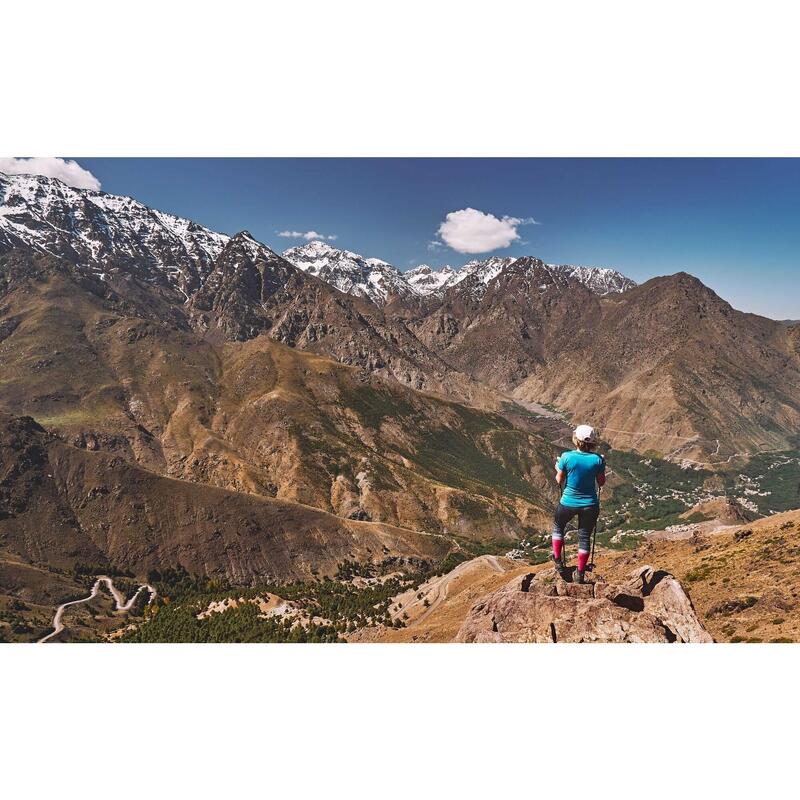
point(653, 493)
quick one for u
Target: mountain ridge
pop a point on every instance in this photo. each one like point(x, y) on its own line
point(380, 282)
point(256, 414)
point(93, 227)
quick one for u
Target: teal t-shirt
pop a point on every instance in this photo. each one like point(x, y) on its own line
point(582, 470)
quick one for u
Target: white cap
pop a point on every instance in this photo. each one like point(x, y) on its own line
point(585, 433)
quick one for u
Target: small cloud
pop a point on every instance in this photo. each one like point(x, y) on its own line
point(69, 172)
point(435, 245)
point(307, 235)
point(473, 231)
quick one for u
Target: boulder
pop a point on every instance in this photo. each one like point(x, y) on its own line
point(649, 607)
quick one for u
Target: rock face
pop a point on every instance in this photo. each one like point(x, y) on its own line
point(650, 607)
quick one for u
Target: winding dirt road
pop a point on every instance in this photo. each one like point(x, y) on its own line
point(119, 599)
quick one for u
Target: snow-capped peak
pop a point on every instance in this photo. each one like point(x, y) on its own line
point(429, 281)
point(350, 272)
point(94, 229)
point(484, 271)
point(316, 246)
point(477, 275)
point(377, 280)
point(601, 280)
point(244, 242)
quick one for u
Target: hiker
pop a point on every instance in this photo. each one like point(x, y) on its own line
point(579, 472)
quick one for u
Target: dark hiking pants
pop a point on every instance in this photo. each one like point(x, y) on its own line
point(587, 519)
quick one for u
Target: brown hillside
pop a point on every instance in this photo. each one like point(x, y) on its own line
point(744, 582)
point(61, 505)
point(667, 365)
point(257, 416)
point(670, 366)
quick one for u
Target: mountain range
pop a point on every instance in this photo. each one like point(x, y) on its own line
point(100, 230)
point(333, 390)
point(667, 366)
point(380, 282)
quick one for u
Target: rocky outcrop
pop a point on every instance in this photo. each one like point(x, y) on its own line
point(650, 607)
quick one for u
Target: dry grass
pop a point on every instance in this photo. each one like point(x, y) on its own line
point(744, 582)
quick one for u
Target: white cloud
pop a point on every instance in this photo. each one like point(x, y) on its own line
point(70, 172)
point(435, 245)
point(307, 235)
point(473, 231)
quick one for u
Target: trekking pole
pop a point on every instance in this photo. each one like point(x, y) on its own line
point(594, 537)
point(566, 527)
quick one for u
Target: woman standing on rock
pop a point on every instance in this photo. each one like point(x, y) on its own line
point(579, 472)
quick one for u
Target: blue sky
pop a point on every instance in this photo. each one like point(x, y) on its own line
point(734, 223)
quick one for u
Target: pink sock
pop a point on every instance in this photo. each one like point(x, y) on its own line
point(582, 559)
point(557, 545)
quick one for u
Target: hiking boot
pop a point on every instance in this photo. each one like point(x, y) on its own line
point(577, 576)
point(560, 567)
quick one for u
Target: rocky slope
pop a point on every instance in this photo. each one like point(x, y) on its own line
point(744, 581)
point(497, 599)
point(740, 584)
point(502, 330)
point(667, 366)
point(670, 366)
